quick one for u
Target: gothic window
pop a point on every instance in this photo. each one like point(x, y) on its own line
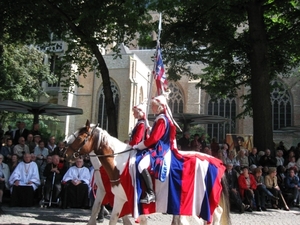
point(225, 108)
point(102, 115)
point(175, 98)
point(281, 106)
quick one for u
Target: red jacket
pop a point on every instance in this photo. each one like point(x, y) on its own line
point(243, 184)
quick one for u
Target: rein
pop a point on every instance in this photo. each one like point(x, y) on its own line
point(114, 154)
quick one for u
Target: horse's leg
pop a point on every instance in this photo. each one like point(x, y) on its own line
point(96, 206)
point(217, 216)
point(120, 199)
point(126, 220)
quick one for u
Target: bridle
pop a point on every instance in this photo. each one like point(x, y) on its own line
point(76, 153)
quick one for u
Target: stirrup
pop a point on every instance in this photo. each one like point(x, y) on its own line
point(148, 198)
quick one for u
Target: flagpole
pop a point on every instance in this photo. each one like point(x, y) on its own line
point(154, 66)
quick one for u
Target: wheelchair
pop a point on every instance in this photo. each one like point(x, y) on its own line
point(49, 203)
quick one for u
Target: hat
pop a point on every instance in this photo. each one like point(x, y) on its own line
point(37, 135)
point(141, 107)
point(161, 100)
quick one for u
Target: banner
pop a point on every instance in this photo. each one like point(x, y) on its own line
point(239, 141)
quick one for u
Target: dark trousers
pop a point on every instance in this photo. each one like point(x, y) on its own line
point(75, 196)
point(22, 196)
point(235, 199)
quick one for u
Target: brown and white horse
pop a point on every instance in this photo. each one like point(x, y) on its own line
point(116, 159)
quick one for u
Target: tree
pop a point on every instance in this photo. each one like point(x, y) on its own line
point(241, 43)
point(85, 26)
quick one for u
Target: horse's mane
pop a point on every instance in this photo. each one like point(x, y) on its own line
point(105, 138)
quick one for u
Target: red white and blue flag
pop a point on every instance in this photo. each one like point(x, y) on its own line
point(160, 75)
point(193, 186)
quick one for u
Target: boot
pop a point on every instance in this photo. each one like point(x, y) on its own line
point(150, 195)
point(100, 217)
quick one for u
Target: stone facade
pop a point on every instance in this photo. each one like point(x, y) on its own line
point(131, 74)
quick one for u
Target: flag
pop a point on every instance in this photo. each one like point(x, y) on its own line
point(193, 186)
point(160, 75)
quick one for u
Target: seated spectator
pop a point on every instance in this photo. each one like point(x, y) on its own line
point(267, 159)
point(292, 163)
point(225, 150)
point(184, 142)
point(60, 150)
point(221, 156)
point(242, 158)
point(272, 186)
point(233, 188)
point(289, 157)
point(21, 148)
point(261, 191)
point(41, 154)
point(24, 181)
point(253, 157)
point(279, 158)
point(13, 164)
point(36, 130)
point(51, 144)
point(7, 150)
point(247, 185)
point(232, 159)
point(214, 145)
point(30, 143)
point(76, 186)
point(195, 144)
point(293, 186)
point(53, 173)
point(4, 175)
point(207, 150)
point(281, 175)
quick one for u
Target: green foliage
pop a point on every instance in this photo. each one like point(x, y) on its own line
point(216, 34)
point(22, 73)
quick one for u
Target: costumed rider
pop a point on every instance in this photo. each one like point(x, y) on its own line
point(24, 181)
point(140, 131)
point(159, 143)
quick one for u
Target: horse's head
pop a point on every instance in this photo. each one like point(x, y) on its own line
point(80, 142)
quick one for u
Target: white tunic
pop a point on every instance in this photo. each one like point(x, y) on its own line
point(75, 173)
point(24, 173)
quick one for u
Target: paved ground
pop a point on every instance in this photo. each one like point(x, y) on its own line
point(36, 216)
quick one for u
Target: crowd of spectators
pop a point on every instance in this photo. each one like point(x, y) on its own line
point(257, 180)
point(34, 169)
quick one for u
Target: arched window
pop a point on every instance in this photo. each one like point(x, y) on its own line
point(281, 106)
point(225, 108)
point(175, 98)
point(102, 116)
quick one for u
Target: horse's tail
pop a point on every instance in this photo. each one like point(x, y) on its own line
point(224, 203)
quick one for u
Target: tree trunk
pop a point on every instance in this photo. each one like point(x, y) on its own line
point(110, 105)
point(260, 78)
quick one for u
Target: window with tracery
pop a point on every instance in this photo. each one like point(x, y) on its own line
point(175, 98)
point(225, 108)
point(102, 115)
point(281, 106)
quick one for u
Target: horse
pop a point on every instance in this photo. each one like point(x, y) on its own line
point(117, 159)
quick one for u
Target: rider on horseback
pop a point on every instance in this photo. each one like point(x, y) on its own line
point(158, 144)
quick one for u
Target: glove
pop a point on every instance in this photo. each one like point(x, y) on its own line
point(140, 146)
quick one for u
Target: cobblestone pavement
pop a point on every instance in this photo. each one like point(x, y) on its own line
point(36, 216)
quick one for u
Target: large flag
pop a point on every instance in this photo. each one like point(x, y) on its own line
point(160, 75)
